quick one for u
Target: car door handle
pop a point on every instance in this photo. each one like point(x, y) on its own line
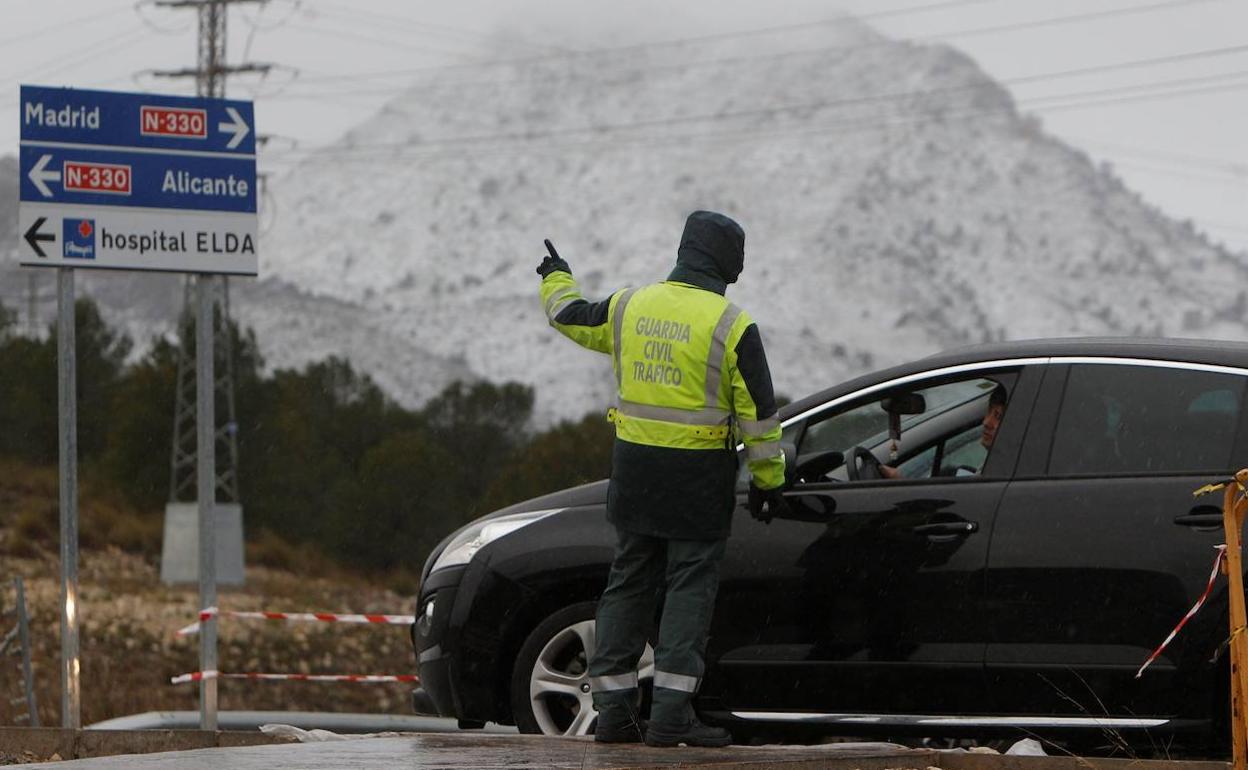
point(1201, 517)
point(947, 528)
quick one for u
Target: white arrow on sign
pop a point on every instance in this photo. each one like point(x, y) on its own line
point(238, 127)
point(39, 176)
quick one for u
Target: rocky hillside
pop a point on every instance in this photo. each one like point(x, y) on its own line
point(894, 200)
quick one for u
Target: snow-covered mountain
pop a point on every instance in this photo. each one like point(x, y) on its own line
point(894, 202)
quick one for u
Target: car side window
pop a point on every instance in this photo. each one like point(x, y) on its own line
point(1146, 419)
point(945, 438)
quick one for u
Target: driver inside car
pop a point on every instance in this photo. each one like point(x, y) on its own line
point(991, 422)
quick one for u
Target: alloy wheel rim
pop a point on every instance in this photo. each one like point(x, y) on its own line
point(559, 691)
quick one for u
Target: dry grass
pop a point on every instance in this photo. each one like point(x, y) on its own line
point(128, 618)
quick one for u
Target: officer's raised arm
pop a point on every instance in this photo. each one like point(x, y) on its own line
point(567, 310)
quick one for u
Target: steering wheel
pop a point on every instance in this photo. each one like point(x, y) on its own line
point(870, 468)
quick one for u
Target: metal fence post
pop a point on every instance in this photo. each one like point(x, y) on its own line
point(23, 638)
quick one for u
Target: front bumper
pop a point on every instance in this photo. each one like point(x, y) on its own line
point(433, 664)
point(422, 703)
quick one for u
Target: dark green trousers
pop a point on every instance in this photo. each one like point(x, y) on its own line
point(686, 573)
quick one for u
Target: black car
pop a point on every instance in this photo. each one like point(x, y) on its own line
point(932, 578)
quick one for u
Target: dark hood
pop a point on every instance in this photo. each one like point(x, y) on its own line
point(712, 252)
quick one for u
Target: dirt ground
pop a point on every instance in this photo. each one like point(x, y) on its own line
point(129, 650)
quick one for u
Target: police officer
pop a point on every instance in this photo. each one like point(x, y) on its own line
point(692, 380)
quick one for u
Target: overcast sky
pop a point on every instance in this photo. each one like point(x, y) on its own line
point(1176, 129)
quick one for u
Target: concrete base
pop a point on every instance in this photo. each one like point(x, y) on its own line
point(41, 744)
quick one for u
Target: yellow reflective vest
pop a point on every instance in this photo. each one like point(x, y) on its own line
point(674, 351)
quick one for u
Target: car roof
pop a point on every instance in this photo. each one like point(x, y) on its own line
point(1210, 352)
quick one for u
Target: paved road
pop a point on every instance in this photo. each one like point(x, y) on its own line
point(519, 752)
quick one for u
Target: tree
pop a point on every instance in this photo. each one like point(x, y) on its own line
point(140, 433)
point(481, 426)
point(399, 508)
point(100, 356)
point(302, 438)
point(28, 399)
point(566, 455)
point(29, 389)
point(7, 319)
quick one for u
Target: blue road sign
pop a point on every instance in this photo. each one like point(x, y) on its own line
point(137, 181)
point(150, 121)
point(118, 178)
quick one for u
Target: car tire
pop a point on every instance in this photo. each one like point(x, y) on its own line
point(550, 682)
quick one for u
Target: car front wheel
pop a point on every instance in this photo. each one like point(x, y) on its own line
point(550, 691)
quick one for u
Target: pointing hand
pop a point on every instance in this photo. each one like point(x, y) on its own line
point(552, 263)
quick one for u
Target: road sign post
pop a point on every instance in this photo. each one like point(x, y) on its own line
point(132, 181)
point(207, 491)
point(67, 423)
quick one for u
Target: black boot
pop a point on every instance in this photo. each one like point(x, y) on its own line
point(618, 732)
point(693, 733)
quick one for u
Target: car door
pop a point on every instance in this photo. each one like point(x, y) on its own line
point(1100, 547)
point(868, 597)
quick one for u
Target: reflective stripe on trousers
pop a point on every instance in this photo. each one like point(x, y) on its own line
point(681, 682)
point(613, 682)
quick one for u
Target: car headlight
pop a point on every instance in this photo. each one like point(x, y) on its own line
point(479, 534)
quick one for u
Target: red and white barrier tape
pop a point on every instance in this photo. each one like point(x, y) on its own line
point(198, 676)
point(323, 617)
point(201, 675)
point(1213, 576)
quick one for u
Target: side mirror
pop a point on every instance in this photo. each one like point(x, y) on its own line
point(898, 405)
point(815, 467)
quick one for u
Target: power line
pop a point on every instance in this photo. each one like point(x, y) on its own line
point(1149, 97)
point(894, 98)
point(433, 30)
point(1079, 17)
point(576, 54)
point(1141, 87)
point(59, 26)
point(1197, 175)
point(606, 51)
point(139, 5)
point(255, 24)
point(1133, 64)
point(1214, 165)
point(1088, 99)
point(340, 33)
point(802, 26)
point(372, 154)
point(1020, 80)
point(100, 48)
point(775, 56)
